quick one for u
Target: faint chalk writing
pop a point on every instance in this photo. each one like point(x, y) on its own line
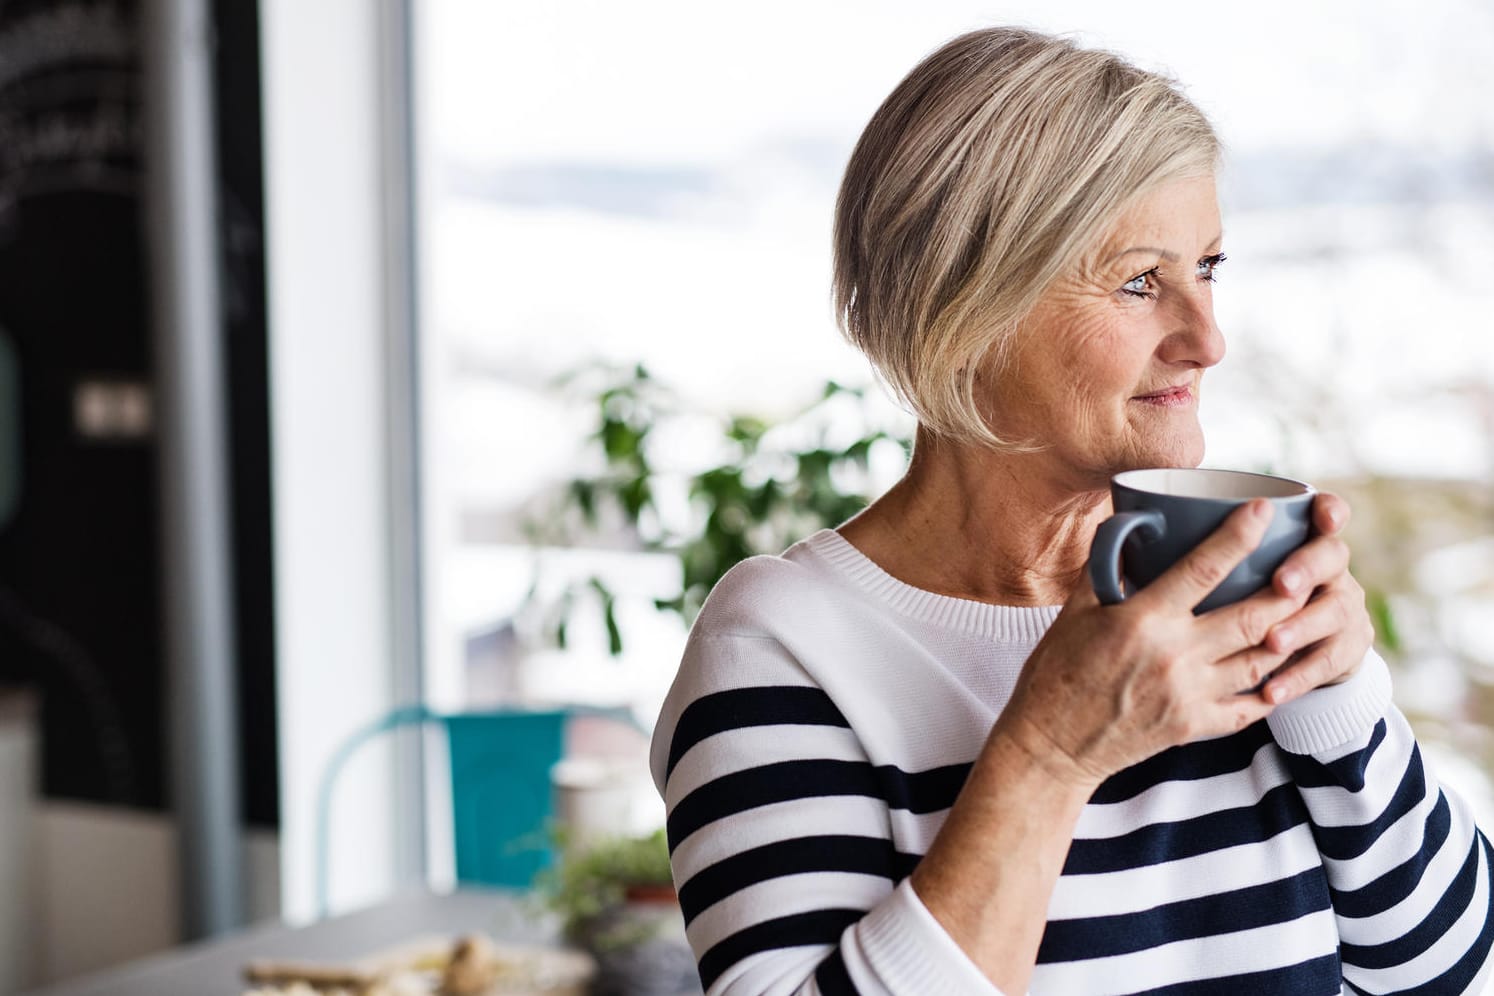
point(64, 35)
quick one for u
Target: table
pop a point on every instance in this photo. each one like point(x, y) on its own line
point(215, 967)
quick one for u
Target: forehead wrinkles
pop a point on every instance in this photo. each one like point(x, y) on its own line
point(1163, 222)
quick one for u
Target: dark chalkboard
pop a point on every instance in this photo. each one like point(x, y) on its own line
point(80, 574)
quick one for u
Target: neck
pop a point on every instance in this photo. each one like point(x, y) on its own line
point(1001, 528)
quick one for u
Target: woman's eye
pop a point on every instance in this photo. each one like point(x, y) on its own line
point(1209, 264)
point(1138, 286)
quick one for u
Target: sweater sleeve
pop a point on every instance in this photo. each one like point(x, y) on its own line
point(781, 841)
point(1408, 871)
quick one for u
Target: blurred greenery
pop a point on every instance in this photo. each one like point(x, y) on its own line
point(589, 880)
point(771, 483)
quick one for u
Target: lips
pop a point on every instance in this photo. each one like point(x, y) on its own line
point(1169, 397)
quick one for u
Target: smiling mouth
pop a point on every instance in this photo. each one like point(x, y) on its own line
point(1171, 397)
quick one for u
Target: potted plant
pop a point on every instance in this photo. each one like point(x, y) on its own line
point(616, 898)
point(762, 484)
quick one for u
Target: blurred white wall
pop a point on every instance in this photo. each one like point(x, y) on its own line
point(323, 216)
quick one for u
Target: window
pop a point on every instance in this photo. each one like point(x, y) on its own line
point(653, 183)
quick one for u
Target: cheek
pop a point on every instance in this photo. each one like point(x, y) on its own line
point(1099, 362)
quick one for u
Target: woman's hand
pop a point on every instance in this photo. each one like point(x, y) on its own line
point(1327, 640)
point(1111, 685)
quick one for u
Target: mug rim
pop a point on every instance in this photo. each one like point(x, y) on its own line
point(1145, 480)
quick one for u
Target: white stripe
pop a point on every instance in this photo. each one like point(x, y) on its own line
point(1335, 806)
point(1442, 955)
point(1436, 877)
point(781, 972)
point(785, 896)
point(1171, 801)
point(832, 815)
point(728, 661)
point(1133, 890)
point(1256, 950)
point(1400, 841)
point(915, 832)
point(753, 746)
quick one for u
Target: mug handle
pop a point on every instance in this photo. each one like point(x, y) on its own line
point(1104, 553)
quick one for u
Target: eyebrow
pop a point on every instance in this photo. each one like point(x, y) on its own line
point(1166, 254)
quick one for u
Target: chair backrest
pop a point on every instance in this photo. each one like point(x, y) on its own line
point(501, 799)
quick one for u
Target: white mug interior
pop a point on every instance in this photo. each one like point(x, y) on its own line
point(1198, 482)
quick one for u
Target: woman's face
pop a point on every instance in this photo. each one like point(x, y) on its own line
point(1106, 369)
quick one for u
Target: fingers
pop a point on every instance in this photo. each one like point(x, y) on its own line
point(1231, 629)
point(1245, 673)
point(1317, 562)
point(1328, 640)
point(1325, 663)
point(1190, 580)
point(1319, 619)
point(1330, 514)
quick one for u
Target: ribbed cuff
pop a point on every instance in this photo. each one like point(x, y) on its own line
point(911, 953)
point(1326, 718)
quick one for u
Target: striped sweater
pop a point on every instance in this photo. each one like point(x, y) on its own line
point(823, 721)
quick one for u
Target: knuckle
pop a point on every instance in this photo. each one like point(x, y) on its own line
point(1202, 572)
point(1166, 667)
point(1259, 668)
point(1253, 626)
point(1184, 726)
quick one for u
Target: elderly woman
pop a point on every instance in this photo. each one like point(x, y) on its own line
point(915, 754)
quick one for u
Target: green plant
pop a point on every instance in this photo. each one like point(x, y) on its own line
point(768, 484)
point(588, 881)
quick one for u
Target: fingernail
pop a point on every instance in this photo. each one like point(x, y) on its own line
point(1283, 638)
point(1291, 581)
point(1275, 693)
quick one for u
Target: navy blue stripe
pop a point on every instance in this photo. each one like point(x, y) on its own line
point(765, 785)
point(1347, 843)
point(1346, 772)
point(922, 791)
point(1318, 977)
point(766, 705)
point(1436, 923)
point(1186, 762)
point(832, 978)
point(1279, 809)
point(1396, 885)
point(797, 856)
point(799, 930)
point(1458, 978)
point(1221, 913)
point(918, 791)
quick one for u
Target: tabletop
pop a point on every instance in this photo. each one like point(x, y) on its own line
point(209, 968)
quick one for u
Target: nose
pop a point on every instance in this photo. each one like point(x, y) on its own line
point(1195, 340)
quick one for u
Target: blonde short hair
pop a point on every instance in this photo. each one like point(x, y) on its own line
point(990, 169)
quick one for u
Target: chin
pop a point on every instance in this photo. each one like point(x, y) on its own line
point(1183, 450)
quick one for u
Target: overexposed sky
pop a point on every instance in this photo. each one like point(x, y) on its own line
point(715, 135)
point(678, 81)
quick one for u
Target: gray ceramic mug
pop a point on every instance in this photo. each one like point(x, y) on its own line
point(1161, 514)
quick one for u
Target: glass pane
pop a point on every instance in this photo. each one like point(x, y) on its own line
point(653, 183)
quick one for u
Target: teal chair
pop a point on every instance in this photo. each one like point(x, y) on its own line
point(501, 797)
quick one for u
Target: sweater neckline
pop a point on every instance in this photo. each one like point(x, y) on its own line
point(1003, 623)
